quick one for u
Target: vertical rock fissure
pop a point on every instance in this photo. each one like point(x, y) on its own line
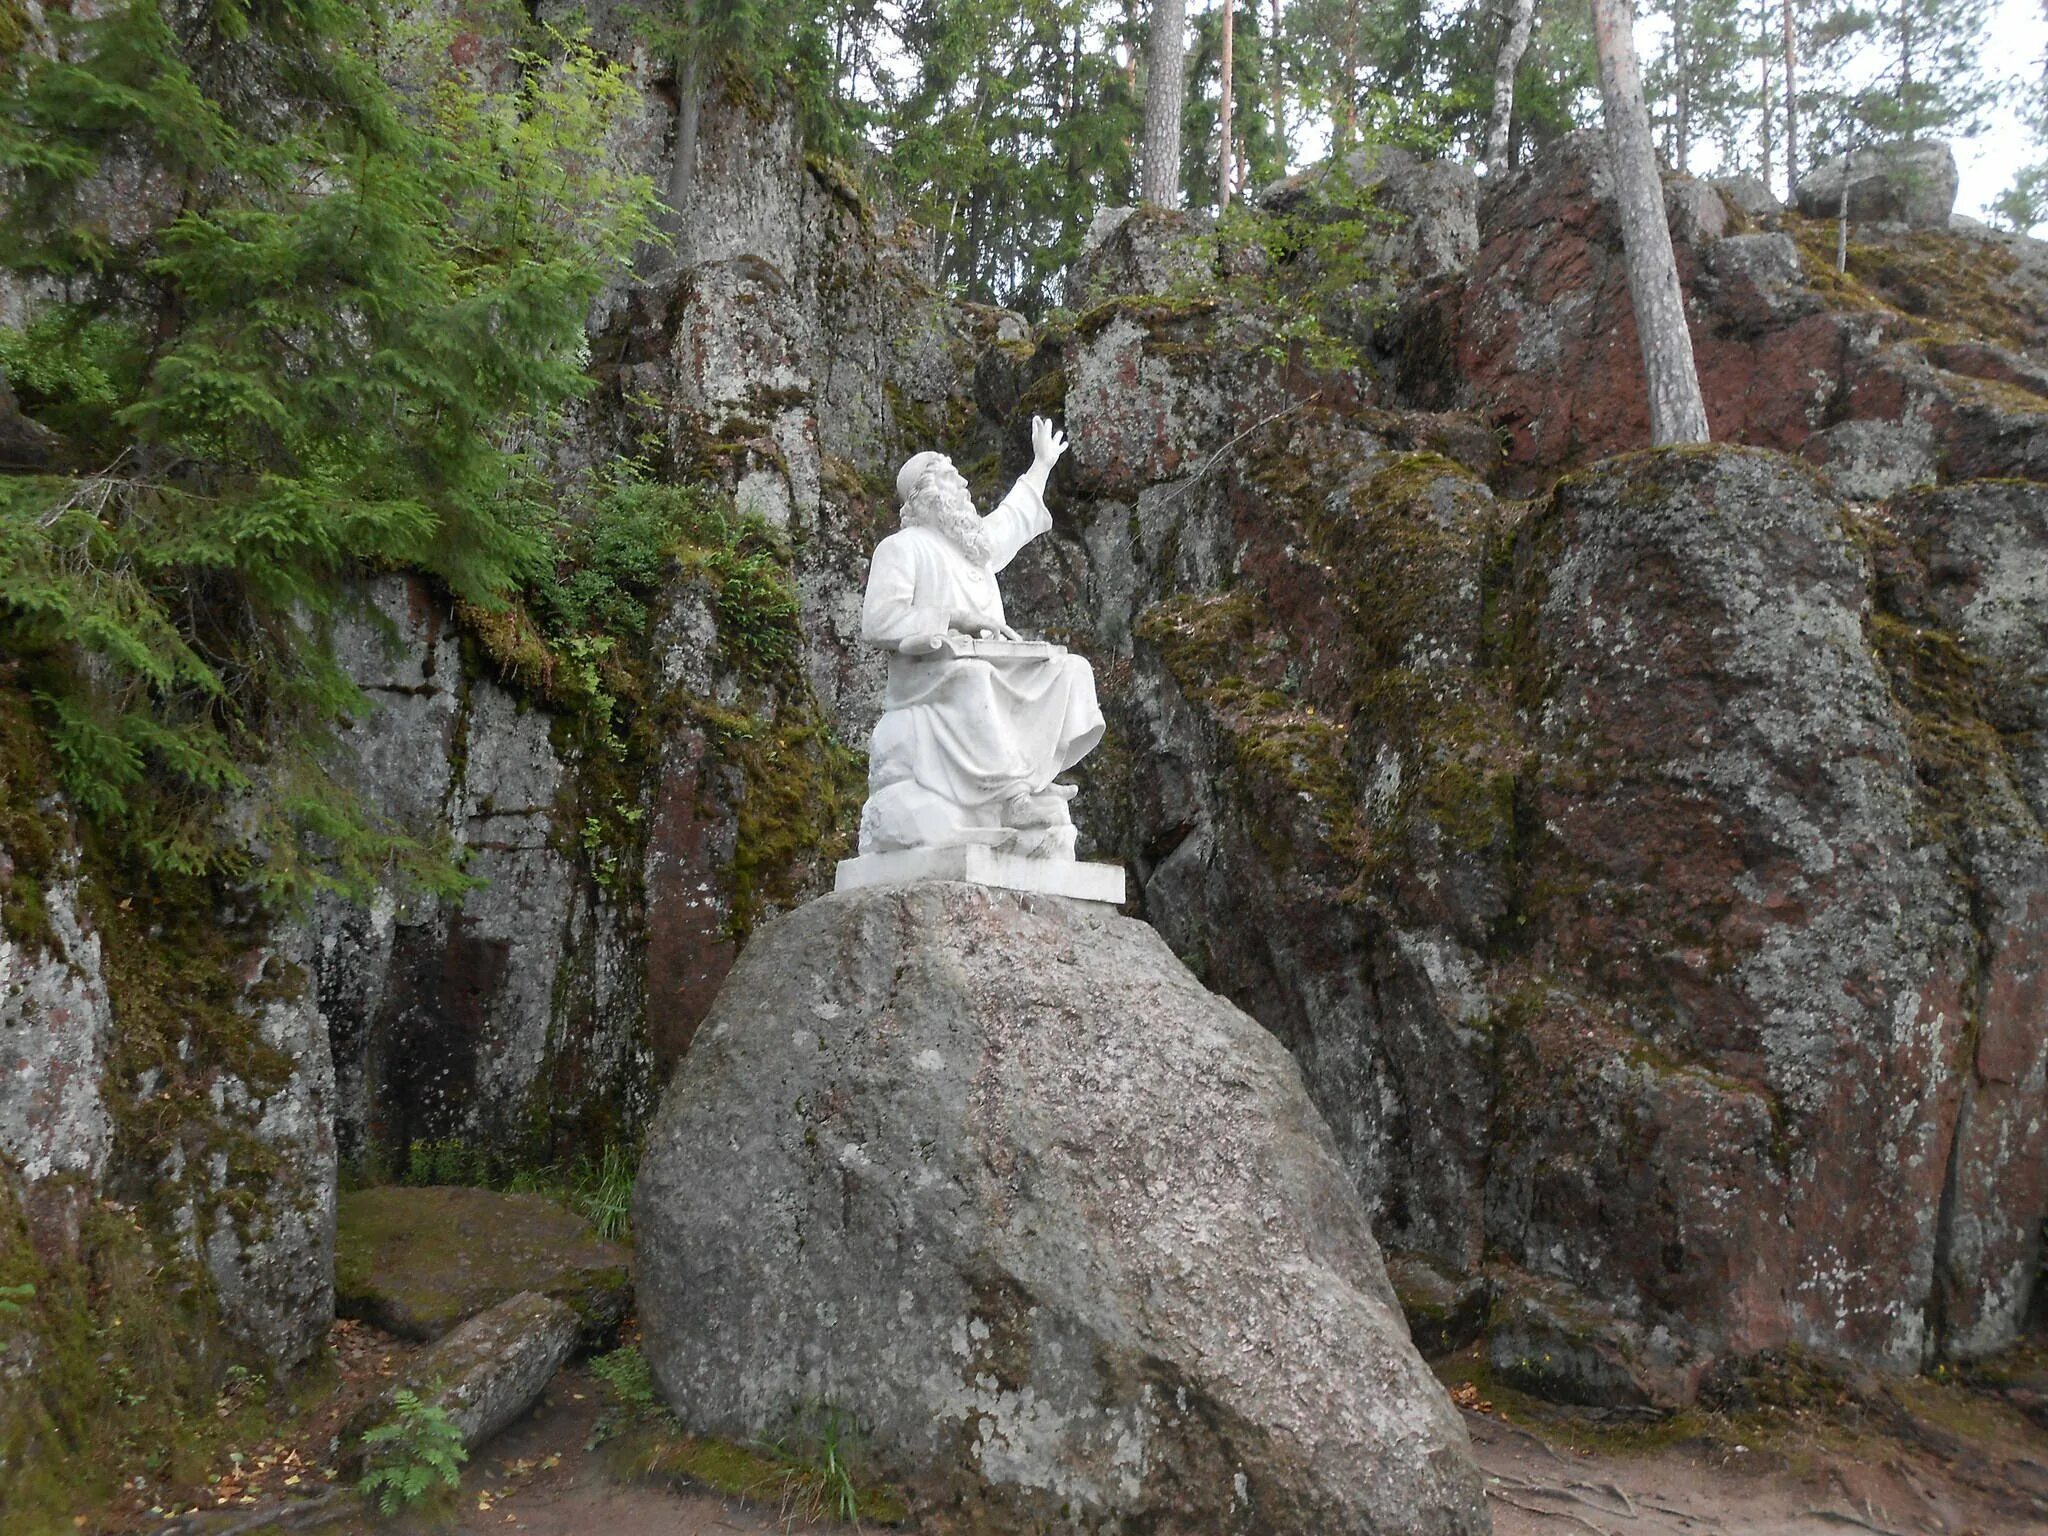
point(1936, 1310)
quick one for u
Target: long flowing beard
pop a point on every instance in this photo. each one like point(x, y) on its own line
point(952, 515)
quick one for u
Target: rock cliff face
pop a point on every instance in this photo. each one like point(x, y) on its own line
point(1647, 875)
point(1914, 365)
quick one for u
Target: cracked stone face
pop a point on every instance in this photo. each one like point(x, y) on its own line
point(1055, 1223)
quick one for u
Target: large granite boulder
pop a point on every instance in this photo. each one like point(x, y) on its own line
point(1907, 183)
point(1060, 1228)
point(1432, 206)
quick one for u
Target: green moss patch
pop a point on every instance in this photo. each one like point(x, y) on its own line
point(1148, 310)
point(417, 1262)
point(29, 833)
point(797, 1487)
point(816, 1470)
point(1963, 761)
point(1227, 653)
point(109, 1369)
point(1953, 288)
point(1416, 541)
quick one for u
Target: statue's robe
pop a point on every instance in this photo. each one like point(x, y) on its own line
point(975, 731)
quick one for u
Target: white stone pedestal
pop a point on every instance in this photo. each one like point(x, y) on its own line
point(978, 865)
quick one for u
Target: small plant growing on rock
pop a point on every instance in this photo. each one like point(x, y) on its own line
point(625, 1371)
point(411, 1454)
point(604, 1192)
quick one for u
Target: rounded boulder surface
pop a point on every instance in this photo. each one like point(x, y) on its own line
point(1058, 1228)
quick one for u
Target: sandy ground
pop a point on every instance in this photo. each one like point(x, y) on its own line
point(1914, 1459)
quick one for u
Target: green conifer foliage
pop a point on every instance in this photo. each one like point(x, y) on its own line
point(302, 289)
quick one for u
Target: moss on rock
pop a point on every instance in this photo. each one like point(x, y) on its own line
point(111, 1366)
point(416, 1262)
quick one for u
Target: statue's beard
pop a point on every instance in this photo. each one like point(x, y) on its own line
point(953, 514)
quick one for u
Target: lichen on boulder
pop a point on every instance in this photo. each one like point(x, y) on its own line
point(1057, 1227)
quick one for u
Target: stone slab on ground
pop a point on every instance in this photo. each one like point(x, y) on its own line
point(977, 865)
point(489, 1371)
point(419, 1261)
point(1057, 1228)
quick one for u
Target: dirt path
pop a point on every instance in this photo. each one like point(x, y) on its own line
point(1707, 1489)
point(1902, 1459)
point(543, 1477)
point(1918, 1458)
point(1816, 1482)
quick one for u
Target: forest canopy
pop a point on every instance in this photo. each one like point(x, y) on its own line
point(1004, 123)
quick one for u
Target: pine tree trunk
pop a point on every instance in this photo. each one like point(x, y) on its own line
point(1791, 107)
point(1160, 184)
point(1521, 14)
point(1681, 128)
point(1763, 97)
point(1763, 87)
point(1347, 122)
point(1223, 107)
point(1677, 413)
point(682, 173)
point(1277, 84)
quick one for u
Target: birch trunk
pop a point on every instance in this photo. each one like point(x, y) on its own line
point(1223, 108)
point(1842, 218)
point(1677, 413)
point(1165, 49)
point(1512, 47)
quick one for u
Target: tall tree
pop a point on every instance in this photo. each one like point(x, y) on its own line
point(1223, 139)
point(1898, 70)
point(1165, 53)
point(1702, 80)
point(1010, 123)
point(1677, 412)
point(1276, 83)
point(1520, 15)
point(320, 353)
point(1253, 153)
point(2024, 204)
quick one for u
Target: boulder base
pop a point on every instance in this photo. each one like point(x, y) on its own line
point(995, 1175)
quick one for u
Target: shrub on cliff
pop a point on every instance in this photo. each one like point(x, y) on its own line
point(302, 286)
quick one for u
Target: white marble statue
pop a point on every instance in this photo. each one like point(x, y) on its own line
point(976, 722)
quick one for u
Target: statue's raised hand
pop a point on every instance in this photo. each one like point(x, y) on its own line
point(1047, 443)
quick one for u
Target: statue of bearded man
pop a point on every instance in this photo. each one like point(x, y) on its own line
point(976, 722)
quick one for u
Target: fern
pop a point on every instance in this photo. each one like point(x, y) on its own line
point(415, 1452)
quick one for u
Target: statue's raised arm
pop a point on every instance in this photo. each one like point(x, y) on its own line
point(976, 722)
